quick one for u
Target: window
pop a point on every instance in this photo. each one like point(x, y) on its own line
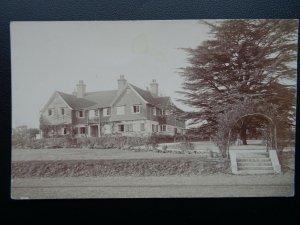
point(154, 128)
point(136, 109)
point(130, 127)
point(154, 111)
point(49, 112)
point(164, 112)
point(82, 130)
point(121, 110)
point(163, 128)
point(142, 127)
point(106, 112)
point(121, 127)
point(96, 112)
point(64, 130)
point(62, 111)
point(80, 114)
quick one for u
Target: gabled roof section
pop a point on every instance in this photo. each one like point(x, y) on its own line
point(163, 101)
point(146, 95)
point(74, 102)
point(120, 93)
point(102, 98)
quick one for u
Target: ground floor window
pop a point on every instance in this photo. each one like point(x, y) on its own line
point(163, 128)
point(82, 130)
point(154, 128)
point(121, 127)
point(130, 127)
point(64, 130)
point(142, 127)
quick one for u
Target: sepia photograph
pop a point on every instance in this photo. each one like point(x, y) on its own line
point(153, 108)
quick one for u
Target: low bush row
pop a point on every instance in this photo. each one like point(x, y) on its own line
point(106, 142)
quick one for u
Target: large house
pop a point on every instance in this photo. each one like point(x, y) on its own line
point(129, 110)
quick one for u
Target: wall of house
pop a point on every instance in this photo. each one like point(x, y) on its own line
point(57, 117)
point(166, 119)
point(128, 99)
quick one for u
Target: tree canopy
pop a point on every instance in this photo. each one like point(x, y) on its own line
point(245, 59)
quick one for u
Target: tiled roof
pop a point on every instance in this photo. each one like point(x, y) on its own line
point(144, 94)
point(157, 101)
point(162, 101)
point(76, 103)
point(102, 98)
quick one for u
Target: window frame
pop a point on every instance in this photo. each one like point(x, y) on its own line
point(106, 111)
point(154, 111)
point(78, 114)
point(62, 111)
point(82, 129)
point(64, 131)
point(50, 112)
point(163, 128)
point(119, 128)
point(134, 107)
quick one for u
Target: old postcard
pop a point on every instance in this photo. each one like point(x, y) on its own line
point(153, 109)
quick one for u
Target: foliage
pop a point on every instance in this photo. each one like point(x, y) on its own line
point(23, 137)
point(245, 59)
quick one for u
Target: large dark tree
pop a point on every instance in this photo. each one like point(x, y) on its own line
point(245, 59)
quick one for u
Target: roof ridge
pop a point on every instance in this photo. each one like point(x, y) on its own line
point(92, 92)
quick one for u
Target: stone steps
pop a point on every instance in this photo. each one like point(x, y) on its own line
point(255, 172)
point(248, 159)
point(254, 163)
point(255, 167)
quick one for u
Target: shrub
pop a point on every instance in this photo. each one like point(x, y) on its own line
point(184, 146)
point(164, 147)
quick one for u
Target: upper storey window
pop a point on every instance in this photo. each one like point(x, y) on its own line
point(106, 112)
point(136, 109)
point(121, 110)
point(80, 114)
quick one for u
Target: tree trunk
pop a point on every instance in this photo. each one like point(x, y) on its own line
point(243, 135)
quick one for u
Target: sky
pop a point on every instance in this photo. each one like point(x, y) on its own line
point(53, 56)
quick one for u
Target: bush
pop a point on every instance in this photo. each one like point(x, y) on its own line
point(184, 146)
point(164, 147)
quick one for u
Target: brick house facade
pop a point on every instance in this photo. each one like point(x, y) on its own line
point(129, 110)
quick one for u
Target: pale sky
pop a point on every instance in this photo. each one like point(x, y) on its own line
point(54, 56)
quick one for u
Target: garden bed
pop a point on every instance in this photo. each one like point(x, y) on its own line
point(118, 167)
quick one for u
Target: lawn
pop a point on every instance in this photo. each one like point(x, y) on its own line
point(117, 162)
point(109, 162)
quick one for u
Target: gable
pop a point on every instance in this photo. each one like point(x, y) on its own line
point(124, 93)
point(128, 97)
point(74, 102)
point(55, 101)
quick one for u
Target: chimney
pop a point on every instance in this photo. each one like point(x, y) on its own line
point(121, 82)
point(154, 88)
point(74, 92)
point(80, 89)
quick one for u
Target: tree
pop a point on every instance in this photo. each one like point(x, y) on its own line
point(22, 136)
point(246, 59)
point(33, 132)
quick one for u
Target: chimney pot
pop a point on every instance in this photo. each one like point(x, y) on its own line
point(154, 88)
point(121, 82)
point(80, 89)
